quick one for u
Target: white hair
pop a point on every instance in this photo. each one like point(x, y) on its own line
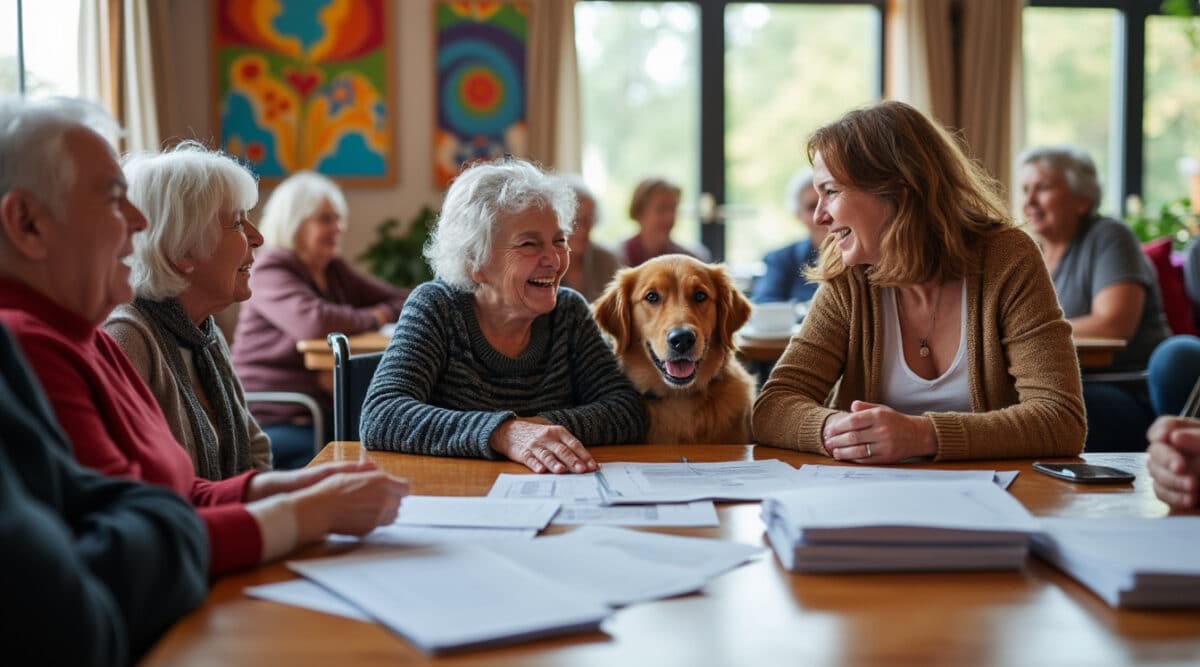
point(182, 192)
point(461, 242)
point(32, 154)
point(796, 185)
point(295, 200)
point(1075, 165)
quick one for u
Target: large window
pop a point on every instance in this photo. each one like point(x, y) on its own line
point(41, 35)
point(718, 96)
point(1121, 80)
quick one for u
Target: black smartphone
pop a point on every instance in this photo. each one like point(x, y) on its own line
point(1084, 473)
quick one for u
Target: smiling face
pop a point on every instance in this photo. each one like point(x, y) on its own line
point(529, 257)
point(854, 218)
point(319, 237)
point(1052, 210)
point(88, 245)
point(223, 278)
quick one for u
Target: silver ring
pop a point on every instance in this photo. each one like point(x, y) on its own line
point(868, 450)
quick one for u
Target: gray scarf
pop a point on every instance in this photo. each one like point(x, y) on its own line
point(226, 453)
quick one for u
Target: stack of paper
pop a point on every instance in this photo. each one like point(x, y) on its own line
point(894, 526)
point(454, 597)
point(625, 483)
point(1128, 562)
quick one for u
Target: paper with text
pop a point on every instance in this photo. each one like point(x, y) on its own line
point(581, 499)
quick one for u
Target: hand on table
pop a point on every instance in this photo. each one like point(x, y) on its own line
point(347, 503)
point(542, 446)
point(1174, 462)
point(873, 433)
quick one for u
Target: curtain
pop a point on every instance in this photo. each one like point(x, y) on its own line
point(960, 62)
point(552, 98)
point(120, 45)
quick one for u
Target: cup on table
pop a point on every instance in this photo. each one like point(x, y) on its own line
point(773, 317)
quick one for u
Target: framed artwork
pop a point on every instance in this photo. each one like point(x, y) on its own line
point(481, 84)
point(306, 84)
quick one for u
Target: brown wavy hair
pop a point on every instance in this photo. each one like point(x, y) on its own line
point(945, 203)
point(647, 188)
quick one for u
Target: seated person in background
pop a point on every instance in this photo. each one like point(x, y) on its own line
point(302, 289)
point(492, 359)
point(931, 330)
point(653, 206)
point(192, 261)
point(591, 266)
point(785, 279)
point(1105, 284)
point(95, 569)
point(1174, 461)
point(1173, 370)
point(66, 228)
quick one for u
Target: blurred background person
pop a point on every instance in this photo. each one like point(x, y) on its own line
point(935, 333)
point(785, 279)
point(1105, 284)
point(653, 207)
point(492, 359)
point(302, 288)
point(193, 261)
point(592, 266)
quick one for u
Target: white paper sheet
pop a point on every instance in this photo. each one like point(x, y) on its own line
point(623, 483)
point(582, 503)
point(411, 536)
point(826, 473)
point(455, 597)
point(306, 594)
point(476, 511)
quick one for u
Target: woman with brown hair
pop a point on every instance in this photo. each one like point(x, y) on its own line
point(653, 206)
point(937, 333)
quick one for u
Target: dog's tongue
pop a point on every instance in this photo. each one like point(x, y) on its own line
point(681, 369)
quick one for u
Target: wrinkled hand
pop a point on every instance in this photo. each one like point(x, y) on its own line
point(348, 503)
point(1174, 462)
point(542, 446)
point(267, 484)
point(873, 433)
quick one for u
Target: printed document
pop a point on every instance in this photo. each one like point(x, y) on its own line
point(623, 483)
point(476, 511)
point(580, 495)
point(827, 473)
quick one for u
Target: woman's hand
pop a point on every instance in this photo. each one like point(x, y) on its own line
point(1174, 462)
point(347, 503)
point(542, 446)
point(872, 433)
point(267, 484)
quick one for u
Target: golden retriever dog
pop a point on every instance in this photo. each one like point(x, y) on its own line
point(672, 321)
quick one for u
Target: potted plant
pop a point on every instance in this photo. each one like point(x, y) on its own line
point(397, 257)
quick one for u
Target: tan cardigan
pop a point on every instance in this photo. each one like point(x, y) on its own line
point(1026, 399)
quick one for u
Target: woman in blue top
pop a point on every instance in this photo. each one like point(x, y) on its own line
point(494, 358)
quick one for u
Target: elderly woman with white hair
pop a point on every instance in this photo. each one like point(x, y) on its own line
point(493, 358)
point(302, 289)
point(1105, 284)
point(785, 278)
point(591, 266)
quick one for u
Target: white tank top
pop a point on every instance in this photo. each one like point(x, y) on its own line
point(903, 390)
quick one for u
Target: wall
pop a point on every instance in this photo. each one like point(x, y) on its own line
point(190, 114)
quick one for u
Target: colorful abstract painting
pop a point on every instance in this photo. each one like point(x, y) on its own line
point(306, 84)
point(480, 83)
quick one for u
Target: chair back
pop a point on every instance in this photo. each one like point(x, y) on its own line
point(351, 377)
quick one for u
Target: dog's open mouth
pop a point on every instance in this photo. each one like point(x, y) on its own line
point(676, 371)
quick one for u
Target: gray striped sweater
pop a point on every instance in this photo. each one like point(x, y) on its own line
point(442, 389)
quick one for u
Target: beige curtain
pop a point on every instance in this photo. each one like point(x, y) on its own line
point(960, 62)
point(553, 81)
point(122, 65)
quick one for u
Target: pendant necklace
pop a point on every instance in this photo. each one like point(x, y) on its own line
point(937, 303)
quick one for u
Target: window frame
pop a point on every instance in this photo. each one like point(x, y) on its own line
point(711, 78)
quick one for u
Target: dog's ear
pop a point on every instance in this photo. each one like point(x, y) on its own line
point(733, 309)
point(612, 310)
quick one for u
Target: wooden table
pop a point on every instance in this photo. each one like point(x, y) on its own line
point(758, 614)
point(1093, 352)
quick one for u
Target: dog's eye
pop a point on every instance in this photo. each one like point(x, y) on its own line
point(652, 296)
point(700, 296)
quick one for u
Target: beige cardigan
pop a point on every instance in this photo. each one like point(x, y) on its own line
point(132, 332)
point(1026, 398)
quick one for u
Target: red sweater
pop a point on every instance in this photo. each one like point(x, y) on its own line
point(114, 422)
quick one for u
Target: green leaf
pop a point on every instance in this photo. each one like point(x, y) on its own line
point(396, 257)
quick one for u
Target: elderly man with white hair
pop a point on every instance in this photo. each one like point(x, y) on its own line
point(494, 358)
point(67, 235)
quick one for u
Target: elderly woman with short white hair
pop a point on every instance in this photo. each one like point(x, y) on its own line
point(303, 289)
point(493, 358)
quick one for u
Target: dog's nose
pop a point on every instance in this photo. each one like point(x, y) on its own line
point(681, 339)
